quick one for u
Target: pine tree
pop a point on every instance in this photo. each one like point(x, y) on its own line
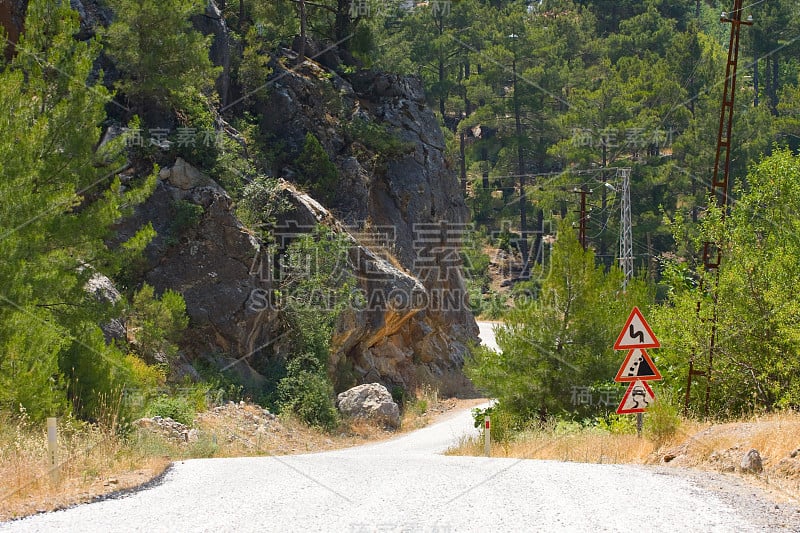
point(60, 197)
point(163, 59)
point(561, 339)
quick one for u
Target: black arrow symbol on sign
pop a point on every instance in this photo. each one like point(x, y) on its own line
point(635, 334)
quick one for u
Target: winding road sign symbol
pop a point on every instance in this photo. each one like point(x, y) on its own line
point(636, 333)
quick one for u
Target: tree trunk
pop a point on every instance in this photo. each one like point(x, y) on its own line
point(442, 97)
point(467, 103)
point(603, 204)
point(523, 200)
point(776, 71)
point(537, 244)
point(12, 20)
point(485, 168)
point(755, 78)
point(343, 25)
point(463, 161)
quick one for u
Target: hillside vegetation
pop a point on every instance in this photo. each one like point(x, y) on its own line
point(537, 100)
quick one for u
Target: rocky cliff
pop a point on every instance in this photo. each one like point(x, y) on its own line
point(395, 198)
point(403, 212)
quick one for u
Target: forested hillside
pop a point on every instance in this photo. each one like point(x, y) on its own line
point(135, 135)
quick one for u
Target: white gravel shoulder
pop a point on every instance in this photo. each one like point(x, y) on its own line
point(405, 485)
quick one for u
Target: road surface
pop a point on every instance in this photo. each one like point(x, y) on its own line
point(406, 485)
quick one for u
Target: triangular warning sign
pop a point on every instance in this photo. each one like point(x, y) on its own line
point(637, 399)
point(637, 365)
point(636, 333)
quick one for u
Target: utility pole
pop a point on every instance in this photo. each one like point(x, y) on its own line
point(625, 227)
point(583, 191)
point(603, 206)
point(523, 199)
point(712, 252)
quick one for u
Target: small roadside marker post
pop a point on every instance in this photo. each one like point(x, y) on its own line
point(487, 438)
point(52, 448)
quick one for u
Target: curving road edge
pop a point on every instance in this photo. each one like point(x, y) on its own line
point(406, 485)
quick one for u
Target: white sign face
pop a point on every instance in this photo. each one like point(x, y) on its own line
point(637, 399)
point(636, 333)
point(637, 365)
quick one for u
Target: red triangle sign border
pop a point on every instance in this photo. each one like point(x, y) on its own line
point(618, 345)
point(624, 379)
point(621, 411)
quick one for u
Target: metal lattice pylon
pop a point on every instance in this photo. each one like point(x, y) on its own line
point(712, 253)
point(626, 229)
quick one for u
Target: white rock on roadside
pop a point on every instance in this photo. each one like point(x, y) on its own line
point(370, 401)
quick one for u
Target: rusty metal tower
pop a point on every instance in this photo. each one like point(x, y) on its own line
point(583, 221)
point(712, 253)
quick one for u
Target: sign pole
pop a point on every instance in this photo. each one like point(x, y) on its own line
point(639, 424)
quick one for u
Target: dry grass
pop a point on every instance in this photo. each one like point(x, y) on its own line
point(420, 409)
point(700, 445)
point(90, 462)
point(94, 461)
point(720, 448)
point(586, 446)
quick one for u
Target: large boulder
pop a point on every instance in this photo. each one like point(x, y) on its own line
point(370, 401)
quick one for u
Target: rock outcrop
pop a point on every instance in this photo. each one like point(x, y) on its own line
point(402, 211)
point(407, 204)
point(370, 401)
point(211, 22)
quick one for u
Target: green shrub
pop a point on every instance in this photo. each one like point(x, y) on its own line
point(316, 170)
point(377, 138)
point(399, 396)
point(307, 393)
point(662, 419)
point(476, 261)
point(187, 215)
point(219, 387)
point(564, 426)
point(262, 201)
point(157, 324)
point(143, 39)
point(178, 408)
point(306, 390)
point(502, 422)
point(617, 424)
point(253, 69)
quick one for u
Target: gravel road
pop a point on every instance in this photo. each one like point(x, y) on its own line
point(406, 485)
